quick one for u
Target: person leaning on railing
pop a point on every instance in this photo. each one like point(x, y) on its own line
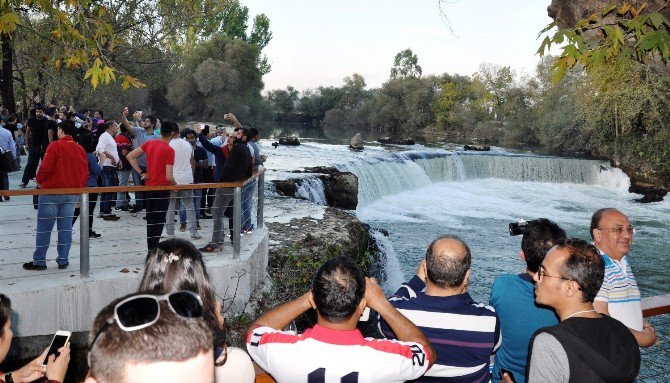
point(56, 366)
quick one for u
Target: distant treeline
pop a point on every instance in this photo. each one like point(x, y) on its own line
point(621, 112)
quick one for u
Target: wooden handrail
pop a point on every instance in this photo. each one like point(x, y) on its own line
point(656, 305)
point(121, 189)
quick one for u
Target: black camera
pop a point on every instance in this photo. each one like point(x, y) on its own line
point(519, 228)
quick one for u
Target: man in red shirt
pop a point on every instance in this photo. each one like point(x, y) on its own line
point(160, 159)
point(64, 166)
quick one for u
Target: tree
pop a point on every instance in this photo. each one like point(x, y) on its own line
point(498, 81)
point(284, 100)
point(406, 64)
point(354, 92)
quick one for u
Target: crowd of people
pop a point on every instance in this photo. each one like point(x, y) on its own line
point(69, 149)
point(574, 315)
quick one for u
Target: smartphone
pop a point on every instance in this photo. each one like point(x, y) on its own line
point(59, 340)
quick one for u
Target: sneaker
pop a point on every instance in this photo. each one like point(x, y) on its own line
point(31, 266)
point(134, 209)
point(196, 236)
point(182, 227)
point(6, 198)
point(23, 186)
point(204, 215)
point(63, 267)
point(93, 234)
point(123, 208)
point(197, 226)
point(210, 248)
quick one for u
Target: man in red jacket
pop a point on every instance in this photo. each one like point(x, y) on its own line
point(64, 166)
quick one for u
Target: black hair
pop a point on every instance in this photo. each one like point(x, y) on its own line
point(597, 217)
point(188, 272)
point(50, 112)
point(5, 311)
point(540, 236)
point(86, 139)
point(448, 270)
point(168, 128)
point(186, 132)
point(109, 123)
point(584, 265)
point(245, 133)
point(338, 287)
point(102, 115)
point(68, 127)
point(153, 120)
point(254, 132)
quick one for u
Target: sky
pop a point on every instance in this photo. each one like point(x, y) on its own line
point(318, 43)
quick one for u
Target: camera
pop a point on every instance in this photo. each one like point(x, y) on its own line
point(519, 228)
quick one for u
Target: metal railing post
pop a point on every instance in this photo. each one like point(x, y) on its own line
point(84, 266)
point(237, 221)
point(261, 200)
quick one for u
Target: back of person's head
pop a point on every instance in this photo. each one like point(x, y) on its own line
point(245, 133)
point(584, 265)
point(176, 264)
point(338, 288)
point(13, 118)
point(169, 128)
point(51, 112)
point(170, 339)
point(254, 132)
point(448, 260)
point(186, 132)
point(598, 216)
point(86, 139)
point(540, 236)
point(68, 127)
point(5, 312)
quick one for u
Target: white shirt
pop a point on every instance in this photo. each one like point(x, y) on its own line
point(182, 170)
point(107, 144)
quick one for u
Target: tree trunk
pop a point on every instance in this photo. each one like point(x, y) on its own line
point(7, 79)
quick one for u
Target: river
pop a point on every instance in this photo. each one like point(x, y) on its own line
point(417, 193)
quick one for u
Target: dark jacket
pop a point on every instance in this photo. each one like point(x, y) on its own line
point(238, 164)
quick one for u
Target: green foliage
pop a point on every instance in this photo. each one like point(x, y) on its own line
point(284, 100)
point(406, 64)
point(613, 36)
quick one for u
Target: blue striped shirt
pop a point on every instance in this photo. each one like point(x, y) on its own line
point(464, 333)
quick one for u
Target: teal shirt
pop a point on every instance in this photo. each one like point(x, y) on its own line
point(513, 298)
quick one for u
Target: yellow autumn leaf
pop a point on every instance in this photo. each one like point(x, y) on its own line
point(8, 22)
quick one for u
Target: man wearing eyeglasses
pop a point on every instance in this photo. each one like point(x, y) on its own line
point(585, 346)
point(619, 296)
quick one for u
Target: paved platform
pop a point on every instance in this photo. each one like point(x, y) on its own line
point(49, 300)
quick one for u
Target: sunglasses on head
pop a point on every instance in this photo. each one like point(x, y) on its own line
point(142, 310)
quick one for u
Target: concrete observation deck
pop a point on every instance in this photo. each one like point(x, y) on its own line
point(50, 300)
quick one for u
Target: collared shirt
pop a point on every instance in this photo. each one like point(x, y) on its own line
point(7, 141)
point(141, 136)
point(64, 165)
point(325, 355)
point(106, 143)
point(464, 333)
point(619, 290)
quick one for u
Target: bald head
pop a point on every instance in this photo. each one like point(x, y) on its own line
point(447, 261)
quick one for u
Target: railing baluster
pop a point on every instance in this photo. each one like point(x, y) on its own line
point(84, 266)
point(261, 200)
point(237, 218)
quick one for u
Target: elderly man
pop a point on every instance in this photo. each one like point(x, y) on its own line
point(586, 346)
point(464, 333)
point(334, 349)
point(619, 296)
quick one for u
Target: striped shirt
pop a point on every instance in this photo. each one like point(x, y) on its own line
point(323, 355)
point(464, 333)
point(619, 290)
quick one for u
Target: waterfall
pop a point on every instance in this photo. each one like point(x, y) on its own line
point(311, 189)
point(388, 268)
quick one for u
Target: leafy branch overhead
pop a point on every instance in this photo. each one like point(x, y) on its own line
point(92, 35)
point(616, 35)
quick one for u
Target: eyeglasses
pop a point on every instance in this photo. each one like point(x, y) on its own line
point(542, 273)
point(620, 230)
point(142, 310)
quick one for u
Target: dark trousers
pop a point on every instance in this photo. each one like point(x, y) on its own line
point(156, 203)
point(137, 181)
point(34, 155)
point(208, 194)
point(4, 180)
point(92, 200)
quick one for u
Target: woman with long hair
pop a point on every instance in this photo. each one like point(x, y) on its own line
point(176, 264)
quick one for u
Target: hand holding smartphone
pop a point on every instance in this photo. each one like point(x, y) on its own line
point(59, 340)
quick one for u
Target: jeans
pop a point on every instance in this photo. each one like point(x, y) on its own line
point(4, 181)
point(58, 209)
point(108, 176)
point(122, 198)
point(197, 194)
point(247, 197)
point(34, 155)
point(156, 203)
point(92, 200)
point(177, 197)
point(137, 180)
point(222, 198)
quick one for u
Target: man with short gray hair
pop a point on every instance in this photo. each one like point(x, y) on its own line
point(464, 333)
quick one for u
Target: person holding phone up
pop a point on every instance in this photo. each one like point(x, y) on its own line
point(56, 366)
